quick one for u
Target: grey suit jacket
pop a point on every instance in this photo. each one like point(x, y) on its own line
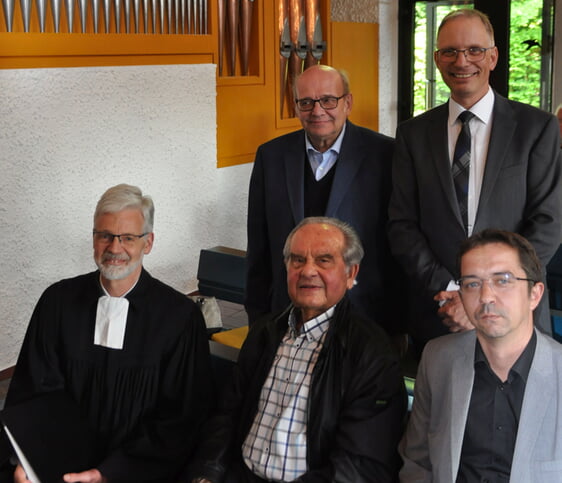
point(521, 192)
point(359, 195)
point(431, 446)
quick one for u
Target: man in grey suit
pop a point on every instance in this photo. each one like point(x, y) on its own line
point(513, 178)
point(488, 402)
point(333, 168)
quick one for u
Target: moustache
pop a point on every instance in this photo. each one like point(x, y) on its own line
point(489, 309)
point(115, 256)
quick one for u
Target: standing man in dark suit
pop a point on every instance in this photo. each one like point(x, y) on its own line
point(513, 178)
point(330, 167)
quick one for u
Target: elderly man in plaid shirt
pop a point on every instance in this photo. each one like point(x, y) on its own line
point(317, 393)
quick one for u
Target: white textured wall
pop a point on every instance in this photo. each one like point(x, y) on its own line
point(388, 66)
point(68, 134)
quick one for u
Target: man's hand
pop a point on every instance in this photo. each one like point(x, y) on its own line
point(452, 311)
point(89, 476)
point(20, 476)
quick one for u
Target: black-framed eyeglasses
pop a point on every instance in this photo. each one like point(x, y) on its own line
point(106, 238)
point(327, 102)
point(473, 54)
point(498, 281)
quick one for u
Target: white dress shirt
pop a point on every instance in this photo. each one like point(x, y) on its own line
point(480, 128)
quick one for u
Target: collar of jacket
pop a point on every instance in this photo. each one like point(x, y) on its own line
point(338, 324)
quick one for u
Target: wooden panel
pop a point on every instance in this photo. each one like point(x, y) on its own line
point(21, 50)
point(248, 108)
point(32, 62)
point(355, 49)
point(57, 46)
point(245, 110)
point(7, 373)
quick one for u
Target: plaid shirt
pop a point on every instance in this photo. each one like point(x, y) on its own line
point(275, 448)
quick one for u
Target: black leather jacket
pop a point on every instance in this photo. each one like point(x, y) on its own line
point(356, 410)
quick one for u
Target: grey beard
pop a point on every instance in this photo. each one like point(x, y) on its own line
point(117, 273)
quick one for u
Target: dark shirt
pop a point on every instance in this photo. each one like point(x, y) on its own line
point(493, 419)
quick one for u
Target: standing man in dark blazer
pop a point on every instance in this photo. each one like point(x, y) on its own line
point(513, 183)
point(330, 167)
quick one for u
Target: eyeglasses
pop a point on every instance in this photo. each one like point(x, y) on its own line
point(106, 238)
point(472, 54)
point(500, 281)
point(327, 102)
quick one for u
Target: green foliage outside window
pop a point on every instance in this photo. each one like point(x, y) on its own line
point(525, 59)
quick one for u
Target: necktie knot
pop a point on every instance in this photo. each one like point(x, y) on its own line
point(465, 116)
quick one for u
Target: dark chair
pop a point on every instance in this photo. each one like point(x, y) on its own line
point(222, 273)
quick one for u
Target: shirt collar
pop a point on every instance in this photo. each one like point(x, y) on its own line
point(336, 147)
point(312, 329)
point(124, 295)
point(522, 365)
point(482, 109)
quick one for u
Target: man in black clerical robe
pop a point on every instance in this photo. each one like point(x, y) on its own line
point(128, 349)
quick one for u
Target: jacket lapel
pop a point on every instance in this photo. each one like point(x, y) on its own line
point(503, 129)
point(347, 167)
point(534, 408)
point(436, 133)
point(293, 159)
point(461, 391)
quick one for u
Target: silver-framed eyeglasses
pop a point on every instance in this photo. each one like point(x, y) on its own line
point(106, 238)
point(472, 54)
point(326, 102)
point(500, 281)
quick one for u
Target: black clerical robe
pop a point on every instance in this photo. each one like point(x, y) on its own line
point(147, 400)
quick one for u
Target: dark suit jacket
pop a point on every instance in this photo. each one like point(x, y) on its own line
point(521, 192)
point(359, 196)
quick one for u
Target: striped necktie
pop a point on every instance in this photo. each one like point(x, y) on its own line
point(461, 166)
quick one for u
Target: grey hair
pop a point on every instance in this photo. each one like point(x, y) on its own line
point(125, 196)
point(352, 248)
